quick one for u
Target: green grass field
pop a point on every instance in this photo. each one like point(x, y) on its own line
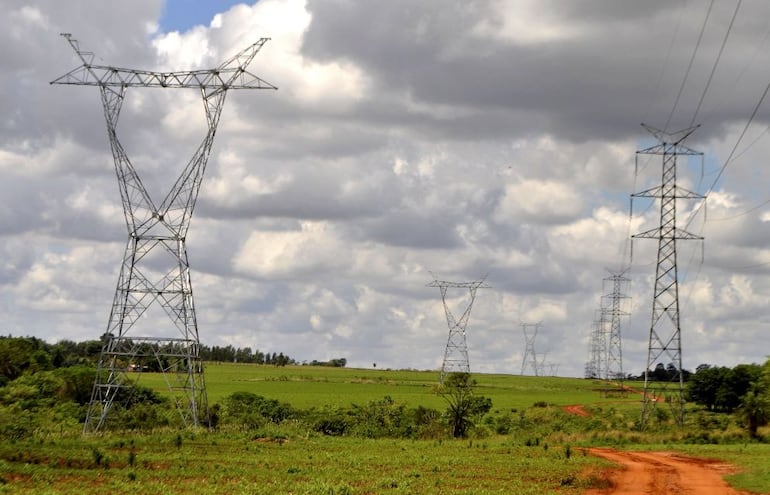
point(542, 457)
point(308, 386)
point(238, 464)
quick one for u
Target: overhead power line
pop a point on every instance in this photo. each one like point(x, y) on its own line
point(716, 62)
point(697, 209)
point(689, 66)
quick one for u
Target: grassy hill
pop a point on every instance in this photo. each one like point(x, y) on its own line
point(308, 386)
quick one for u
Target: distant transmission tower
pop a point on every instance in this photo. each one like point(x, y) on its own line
point(665, 341)
point(597, 348)
point(541, 364)
point(456, 352)
point(612, 308)
point(530, 334)
point(554, 369)
point(155, 270)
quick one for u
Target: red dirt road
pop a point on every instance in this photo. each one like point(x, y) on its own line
point(654, 473)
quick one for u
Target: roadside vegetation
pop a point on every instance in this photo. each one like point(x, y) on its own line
point(332, 430)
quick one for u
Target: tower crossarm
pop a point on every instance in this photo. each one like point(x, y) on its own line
point(478, 284)
point(678, 233)
point(231, 74)
point(658, 192)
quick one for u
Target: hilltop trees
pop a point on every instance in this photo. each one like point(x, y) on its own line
point(230, 354)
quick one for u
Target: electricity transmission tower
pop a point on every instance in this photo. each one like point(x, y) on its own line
point(612, 308)
point(605, 359)
point(456, 352)
point(597, 348)
point(665, 341)
point(155, 272)
point(530, 333)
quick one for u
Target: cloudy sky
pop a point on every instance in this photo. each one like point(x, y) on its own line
point(461, 138)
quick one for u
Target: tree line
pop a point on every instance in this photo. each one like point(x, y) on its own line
point(22, 354)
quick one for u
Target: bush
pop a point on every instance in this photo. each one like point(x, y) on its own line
point(143, 416)
point(428, 423)
point(330, 422)
point(252, 411)
point(381, 418)
point(16, 423)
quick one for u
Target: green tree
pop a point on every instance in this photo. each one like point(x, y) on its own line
point(464, 408)
point(737, 382)
point(15, 357)
point(755, 410)
point(704, 386)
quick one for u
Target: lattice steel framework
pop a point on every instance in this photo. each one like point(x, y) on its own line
point(456, 351)
point(597, 348)
point(612, 308)
point(530, 334)
point(155, 270)
point(665, 342)
point(605, 354)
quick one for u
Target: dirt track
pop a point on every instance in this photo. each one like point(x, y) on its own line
point(653, 473)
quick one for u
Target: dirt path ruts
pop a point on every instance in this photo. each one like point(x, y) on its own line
point(576, 409)
point(654, 473)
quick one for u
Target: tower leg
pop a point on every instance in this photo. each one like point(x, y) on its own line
point(155, 274)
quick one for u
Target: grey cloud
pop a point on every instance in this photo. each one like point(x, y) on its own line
point(404, 178)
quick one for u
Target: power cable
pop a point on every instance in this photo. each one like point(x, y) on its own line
point(689, 66)
point(730, 156)
point(653, 95)
point(753, 208)
point(716, 62)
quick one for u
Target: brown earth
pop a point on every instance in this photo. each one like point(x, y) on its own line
point(653, 473)
point(576, 409)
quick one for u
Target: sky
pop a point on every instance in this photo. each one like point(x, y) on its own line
point(405, 140)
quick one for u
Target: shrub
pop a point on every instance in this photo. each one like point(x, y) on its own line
point(332, 424)
point(252, 411)
point(381, 418)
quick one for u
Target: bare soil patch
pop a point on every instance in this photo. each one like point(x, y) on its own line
point(576, 409)
point(653, 473)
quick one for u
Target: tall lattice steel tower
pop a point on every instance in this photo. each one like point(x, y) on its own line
point(456, 352)
point(155, 272)
point(530, 334)
point(665, 343)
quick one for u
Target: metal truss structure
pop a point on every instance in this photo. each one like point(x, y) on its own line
point(155, 272)
point(612, 309)
point(605, 353)
point(597, 348)
point(456, 352)
point(530, 334)
point(665, 342)
point(553, 369)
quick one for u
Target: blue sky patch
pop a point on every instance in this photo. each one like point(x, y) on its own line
point(181, 15)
